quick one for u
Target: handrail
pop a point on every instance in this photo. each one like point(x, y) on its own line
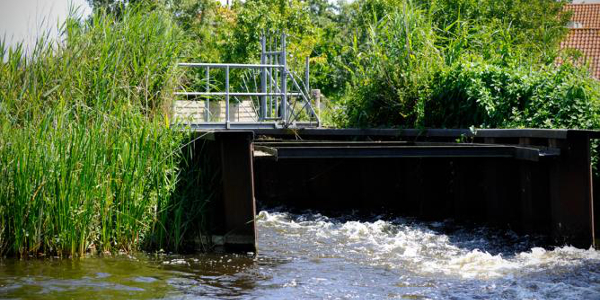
point(240, 104)
point(235, 94)
point(223, 66)
point(275, 101)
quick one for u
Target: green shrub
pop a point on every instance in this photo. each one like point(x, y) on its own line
point(464, 63)
point(490, 96)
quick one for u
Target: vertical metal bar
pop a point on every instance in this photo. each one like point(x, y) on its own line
point(283, 81)
point(207, 101)
point(307, 78)
point(270, 88)
point(227, 97)
point(270, 78)
point(277, 71)
point(276, 58)
point(263, 80)
point(307, 87)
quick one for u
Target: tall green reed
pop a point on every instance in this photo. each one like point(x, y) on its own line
point(87, 159)
point(393, 61)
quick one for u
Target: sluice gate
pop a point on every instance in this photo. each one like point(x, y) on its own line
point(263, 142)
point(528, 180)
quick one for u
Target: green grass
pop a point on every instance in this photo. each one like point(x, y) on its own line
point(88, 162)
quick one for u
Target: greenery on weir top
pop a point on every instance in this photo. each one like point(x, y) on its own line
point(414, 63)
point(89, 163)
point(465, 63)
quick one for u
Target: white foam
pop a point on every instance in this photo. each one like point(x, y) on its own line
point(425, 251)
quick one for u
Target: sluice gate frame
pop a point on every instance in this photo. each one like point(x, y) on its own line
point(533, 181)
point(277, 105)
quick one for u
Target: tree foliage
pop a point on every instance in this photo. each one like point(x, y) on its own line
point(490, 96)
point(450, 63)
point(457, 63)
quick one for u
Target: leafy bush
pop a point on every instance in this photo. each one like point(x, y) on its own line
point(461, 63)
point(491, 96)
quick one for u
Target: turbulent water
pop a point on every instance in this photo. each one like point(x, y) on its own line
point(310, 256)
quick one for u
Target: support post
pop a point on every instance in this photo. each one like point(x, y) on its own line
point(525, 191)
point(307, 77)
point(263, 79)
point(571, 197)
point(239, 234)
point(316, 94)
point(207, 100)
point(283, 81)
point(227, 97)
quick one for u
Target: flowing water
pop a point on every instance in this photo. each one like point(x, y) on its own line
point(310, 256)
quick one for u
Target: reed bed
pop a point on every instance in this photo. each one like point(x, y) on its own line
point(88, 162)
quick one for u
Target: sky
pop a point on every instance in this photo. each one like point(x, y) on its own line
point(26, 20)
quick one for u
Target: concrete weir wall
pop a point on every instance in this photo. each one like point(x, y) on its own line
point(532, 181)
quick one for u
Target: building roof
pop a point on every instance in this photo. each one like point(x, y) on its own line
point(584, 34)
point(588, 15)
point(586, 40)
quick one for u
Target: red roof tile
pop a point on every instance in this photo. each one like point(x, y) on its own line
point(587, 38)
point(588, 15)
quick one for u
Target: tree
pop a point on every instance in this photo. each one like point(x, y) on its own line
point(116, 7)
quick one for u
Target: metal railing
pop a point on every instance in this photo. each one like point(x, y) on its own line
point(277, 105)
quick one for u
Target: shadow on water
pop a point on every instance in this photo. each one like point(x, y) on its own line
point(141, 276)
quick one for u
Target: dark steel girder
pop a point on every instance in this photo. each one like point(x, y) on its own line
point(400, 150)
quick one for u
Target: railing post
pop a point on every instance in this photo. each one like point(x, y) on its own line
point(270, 86)
point(207, 101)
point(307, 77)
point(283, 81)
point(227, 97)
point(263, 80)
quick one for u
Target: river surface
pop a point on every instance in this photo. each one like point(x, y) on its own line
point(311, 256)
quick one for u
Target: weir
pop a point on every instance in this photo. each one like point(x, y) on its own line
point(529, 180)
point(267, 145)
